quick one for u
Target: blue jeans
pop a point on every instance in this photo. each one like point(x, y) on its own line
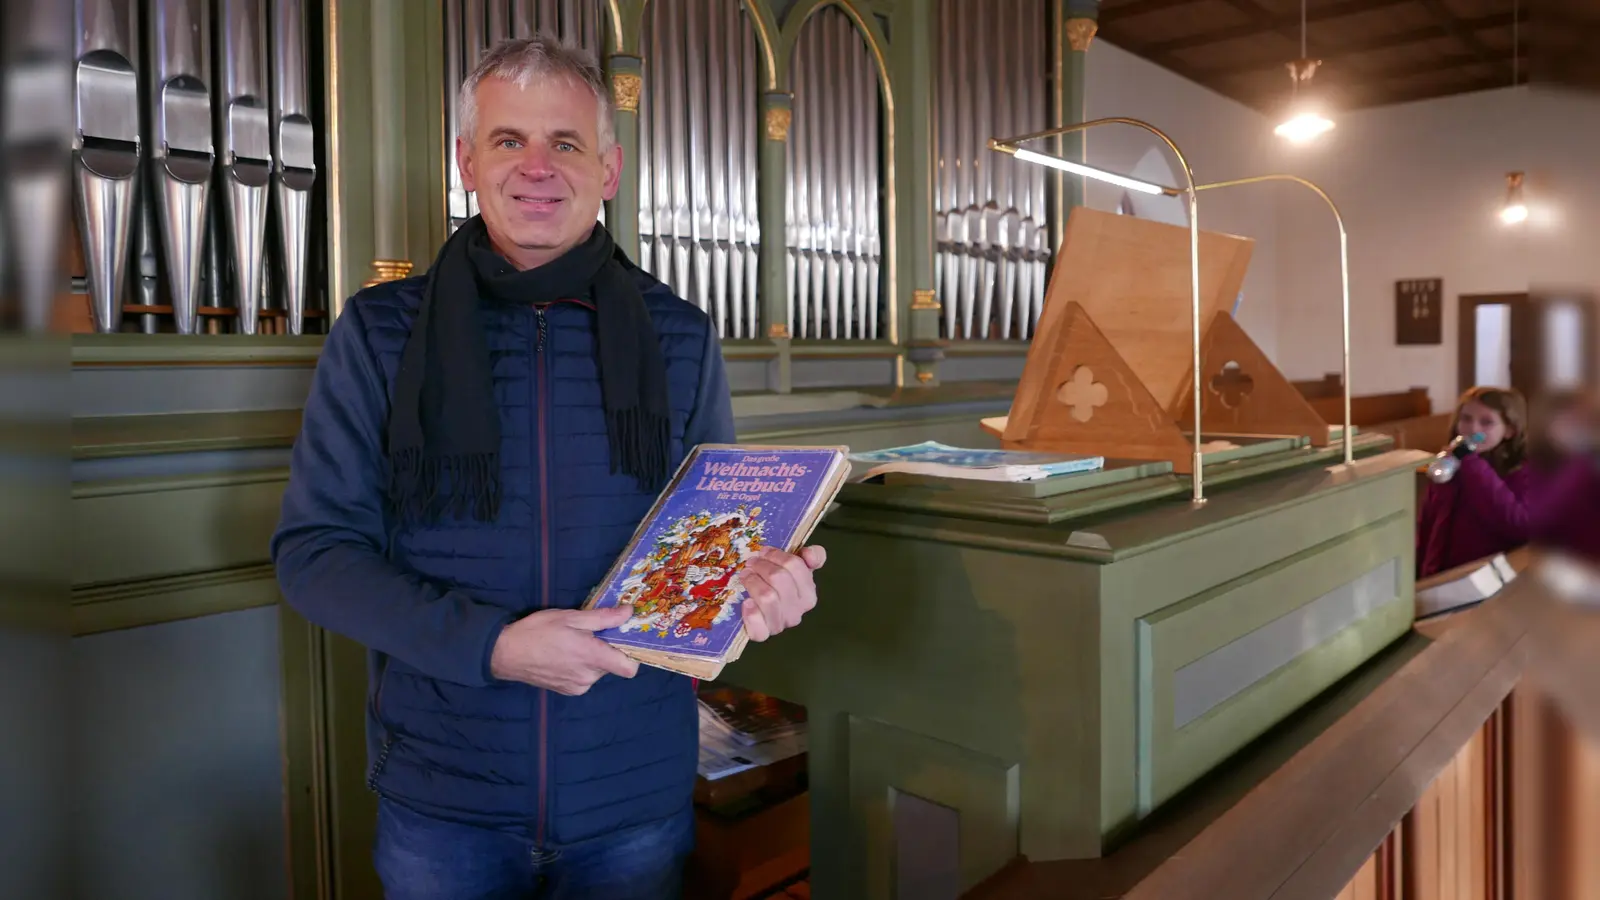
point(422, 858)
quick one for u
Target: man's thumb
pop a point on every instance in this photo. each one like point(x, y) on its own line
point(600, 619)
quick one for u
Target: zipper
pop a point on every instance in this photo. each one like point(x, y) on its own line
point(541, 411)
point(388, 736)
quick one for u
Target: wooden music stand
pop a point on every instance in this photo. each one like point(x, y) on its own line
point(1110, 369)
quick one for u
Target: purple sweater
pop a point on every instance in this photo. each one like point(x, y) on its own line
point(1476, 514)
point(1564, 507)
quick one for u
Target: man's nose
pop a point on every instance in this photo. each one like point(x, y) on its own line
point(536, 162)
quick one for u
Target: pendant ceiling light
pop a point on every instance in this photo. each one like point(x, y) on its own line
point(1305, 121)
point(1515, 210)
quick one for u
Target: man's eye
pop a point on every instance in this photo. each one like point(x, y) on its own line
point(510, 144)
point(565, 147)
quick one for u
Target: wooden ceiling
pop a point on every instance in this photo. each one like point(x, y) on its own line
point(1373, 52)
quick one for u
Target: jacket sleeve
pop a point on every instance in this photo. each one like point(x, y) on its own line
point(1498, 505)
point(330, 547)
point(712, 419)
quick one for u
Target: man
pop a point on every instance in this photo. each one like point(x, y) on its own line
point(478, 447)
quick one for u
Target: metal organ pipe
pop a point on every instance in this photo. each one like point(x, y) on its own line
point(294, 168)
point(834, 212)
point(991, 226)
point(36, 64)
point(181, 146)
point(698, 229)
point(244, 139)
point(106, 148)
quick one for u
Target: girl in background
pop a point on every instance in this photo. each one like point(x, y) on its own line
point(1482, 510)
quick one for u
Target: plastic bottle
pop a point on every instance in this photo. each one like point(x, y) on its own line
point(1444, 466)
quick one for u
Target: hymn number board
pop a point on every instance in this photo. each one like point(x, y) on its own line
point(1419, 311)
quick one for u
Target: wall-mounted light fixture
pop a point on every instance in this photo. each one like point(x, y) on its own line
point(1515, 210)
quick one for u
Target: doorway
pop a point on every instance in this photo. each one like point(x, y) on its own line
point(1529, 343)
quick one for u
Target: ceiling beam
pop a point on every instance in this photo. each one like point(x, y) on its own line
point(1136, 8)
point(1398, 39)
point(1266, 21)
point(1467, 38)
point(1256, 26)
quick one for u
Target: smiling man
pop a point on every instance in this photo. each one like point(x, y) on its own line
point(478, 447)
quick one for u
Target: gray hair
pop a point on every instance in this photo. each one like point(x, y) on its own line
point(524, 61)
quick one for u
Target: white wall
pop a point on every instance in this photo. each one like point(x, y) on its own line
point(1221, 139)
point(1420, 186)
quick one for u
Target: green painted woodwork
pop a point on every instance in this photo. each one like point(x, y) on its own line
point(104, 437)
point(168, 599)
point(135, 529)
point(773, 253)
point(1171, 758)
point(1019, 642)
point(622, 212)
point(196, 349)
point(1062, 499)
point(886, 762)
point(428, 156)
point(305, 757)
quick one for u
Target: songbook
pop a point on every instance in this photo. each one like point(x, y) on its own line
point(681, 570)
point(944, 461)
point(1464, 586)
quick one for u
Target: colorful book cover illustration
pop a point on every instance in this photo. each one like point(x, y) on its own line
point(725, 505)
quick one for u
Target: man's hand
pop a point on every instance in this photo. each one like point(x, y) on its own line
point(556, 649)
point(779, 589)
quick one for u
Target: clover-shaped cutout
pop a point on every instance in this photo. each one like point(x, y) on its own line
point(1082, 394)
point(1232, 385)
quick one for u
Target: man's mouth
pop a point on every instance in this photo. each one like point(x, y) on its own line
point(537, 202)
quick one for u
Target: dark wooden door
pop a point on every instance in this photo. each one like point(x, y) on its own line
point(1514, 315)
point(1542, 334)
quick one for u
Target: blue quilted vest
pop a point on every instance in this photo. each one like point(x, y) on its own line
point(445, 738)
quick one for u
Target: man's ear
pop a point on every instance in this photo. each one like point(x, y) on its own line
point(612, 160)
point(464, 163)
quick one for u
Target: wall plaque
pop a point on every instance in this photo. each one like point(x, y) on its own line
point(1419, 311)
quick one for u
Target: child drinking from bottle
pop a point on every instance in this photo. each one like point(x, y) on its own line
point(1481, 510)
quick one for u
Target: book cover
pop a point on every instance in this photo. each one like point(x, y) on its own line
point(724, 505)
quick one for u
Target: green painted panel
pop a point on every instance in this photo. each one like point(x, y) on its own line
point(305, 755)
point(208, 349)
point(102, 437)
point(886, 761)
point(1203, 562)
point(134, 604)
point(158, 527)
point(1172, 757)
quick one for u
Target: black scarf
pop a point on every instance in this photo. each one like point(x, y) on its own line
point(444, 428)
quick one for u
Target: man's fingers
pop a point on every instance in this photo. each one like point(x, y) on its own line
point(763, 608)
point(599, 619)
point(755, 625)
point(816, 557)
point(610, 659)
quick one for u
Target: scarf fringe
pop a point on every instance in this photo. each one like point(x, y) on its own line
point(428, 488)
point(640, 442)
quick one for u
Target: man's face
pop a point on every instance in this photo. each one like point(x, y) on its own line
point(535, 162)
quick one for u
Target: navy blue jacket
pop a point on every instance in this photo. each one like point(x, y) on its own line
point(444, 736)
